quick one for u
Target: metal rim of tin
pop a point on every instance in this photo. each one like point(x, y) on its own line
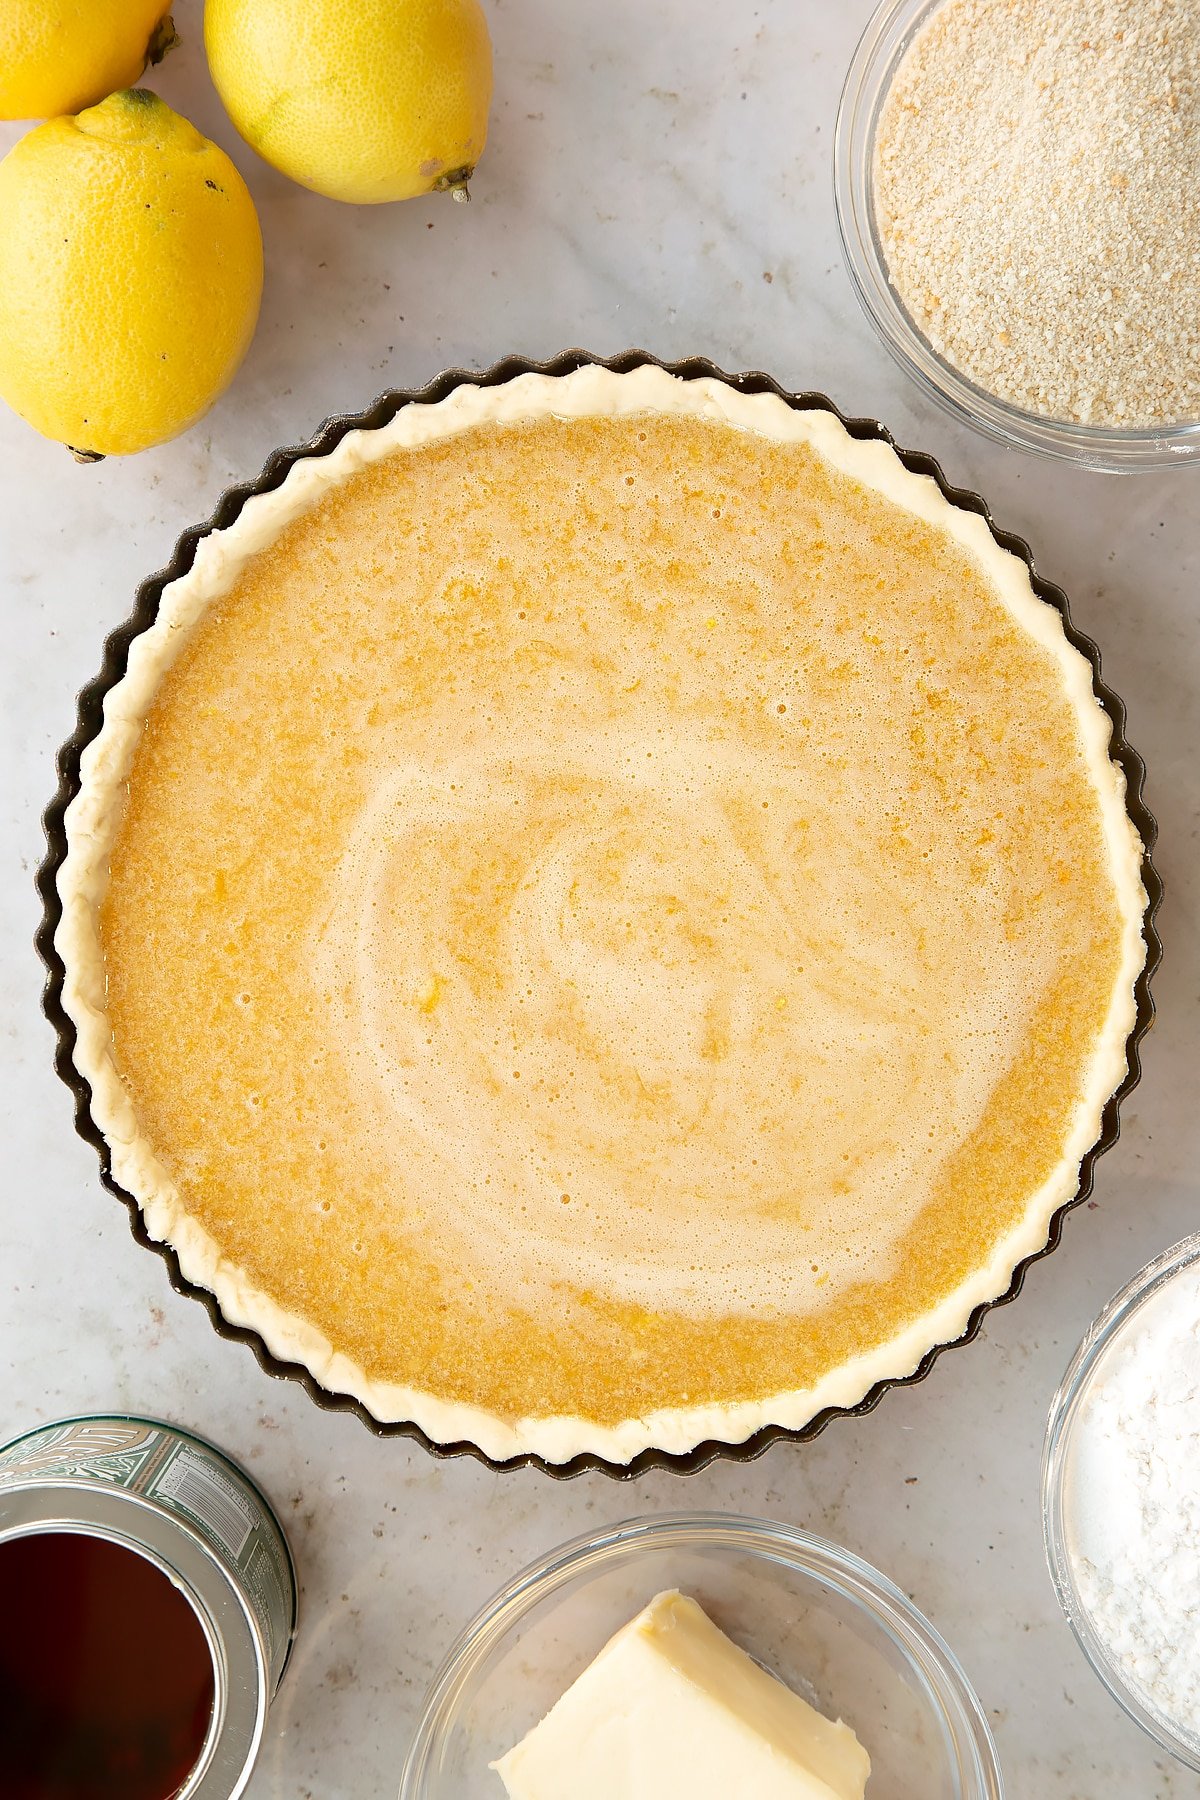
point(246, 1675)
point(89, 717)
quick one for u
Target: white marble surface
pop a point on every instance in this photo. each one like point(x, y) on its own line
point(657, 176)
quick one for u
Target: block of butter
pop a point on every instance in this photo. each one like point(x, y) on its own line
point(672, 1709)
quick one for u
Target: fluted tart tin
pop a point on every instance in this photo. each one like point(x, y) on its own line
point(91, 717)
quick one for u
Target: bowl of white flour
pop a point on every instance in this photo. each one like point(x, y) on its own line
point(1121, 1496)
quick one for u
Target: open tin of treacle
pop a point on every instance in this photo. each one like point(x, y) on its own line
point(148, 1603)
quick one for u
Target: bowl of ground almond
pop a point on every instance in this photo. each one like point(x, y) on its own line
point(1016, 190)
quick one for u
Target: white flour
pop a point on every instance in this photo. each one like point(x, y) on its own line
point(1133, 1504)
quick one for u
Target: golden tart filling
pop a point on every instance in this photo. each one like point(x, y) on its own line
point(602, 916)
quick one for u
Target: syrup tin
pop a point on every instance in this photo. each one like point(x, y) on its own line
point(182, 1504)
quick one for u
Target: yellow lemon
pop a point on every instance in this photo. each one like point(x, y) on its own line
point(359, 99)
point(131, 275)
point(59, 55)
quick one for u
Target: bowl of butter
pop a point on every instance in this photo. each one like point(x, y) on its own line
point(706, 1655)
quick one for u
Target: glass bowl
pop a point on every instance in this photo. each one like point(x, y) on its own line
point(1058, 1472)
point(872, 68)
point(832, 1627)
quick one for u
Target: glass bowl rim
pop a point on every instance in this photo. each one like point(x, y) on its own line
point(945, 1681)
point(1105, 449)
point(1106, 1328)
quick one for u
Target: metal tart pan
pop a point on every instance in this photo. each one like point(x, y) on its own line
point(89, 719)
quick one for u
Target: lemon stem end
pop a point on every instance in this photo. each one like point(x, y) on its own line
point(454, 182)
point(164, 37)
